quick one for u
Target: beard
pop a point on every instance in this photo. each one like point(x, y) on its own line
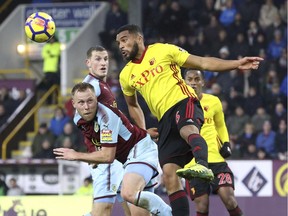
point(133, 53)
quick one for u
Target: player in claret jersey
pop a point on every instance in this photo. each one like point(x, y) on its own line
point(154, 71)
point(108, 136)
point(106, 177)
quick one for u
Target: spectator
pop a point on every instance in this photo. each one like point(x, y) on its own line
point(240, 48)
point(221, 46)
point(234, 99)
point(3, 187)
point(51, 53)
point(14, 188)
point(86, 189)
point(282, 63)
point(259, 118)
point(70, 138)
point(253, 101)
point(201, 45)
point(281, 141)
point(283, 11)
point(43, 134)
point(259, 45)
point(262, 154)
point(227, 15)
point(217, 91)
point(115, 18)
point(175, 16)
point(246, 139)
point(271, 79)
point(249, 10)
point(283, 87)
point(211, 32)
point(46, 151)
point(250, 153)
point(58, 121)
point(236, 122)
point(276, 46)
point(279, 114)
point(273, 97)
point(266, 139)
point(267, 12)
point(237, 27)
point(229, 80)
point(276, 24)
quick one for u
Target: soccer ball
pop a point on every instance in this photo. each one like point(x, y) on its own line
point(40, 27)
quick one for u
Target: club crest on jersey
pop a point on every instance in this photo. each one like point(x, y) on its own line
point(206, 108)
point(152, 61)
point(177, 117)
point(106, 135)
point(96, 127)
point(132, 76)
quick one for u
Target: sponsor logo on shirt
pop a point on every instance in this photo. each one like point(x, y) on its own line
point(106, 135)
point(146, 76)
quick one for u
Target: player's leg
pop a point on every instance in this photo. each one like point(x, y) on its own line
point(106, 177)
point(223, 185)
point(136, 177)
point(102, 208)
point(189, 119)
point(199, 190)
point(177, 196)
point(228, 198)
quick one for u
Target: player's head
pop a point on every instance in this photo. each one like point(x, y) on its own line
point(130, 41)
point(84, 100)
point(195, 79)
point(97, 61)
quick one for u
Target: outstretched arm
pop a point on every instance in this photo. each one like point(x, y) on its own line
point(217, 64)
point(105, 155)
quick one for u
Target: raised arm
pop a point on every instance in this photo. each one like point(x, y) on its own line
point(217, 64)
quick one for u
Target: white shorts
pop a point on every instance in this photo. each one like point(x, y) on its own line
point(144, 152)
point(106, 181)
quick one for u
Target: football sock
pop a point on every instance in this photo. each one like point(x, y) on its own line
point(199, 149)
point(202, 214)
point(179, 203)
point(235, 212)
point(153, 203)
point(88, 214)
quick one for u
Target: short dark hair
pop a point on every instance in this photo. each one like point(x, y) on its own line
point(81, 87)
point(190, 69)
point(131, 28)
point(96, 48)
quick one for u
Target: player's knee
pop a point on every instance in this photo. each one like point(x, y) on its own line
point(128, 195)
point(171, 181)
point(187, 130)
point(231, 203)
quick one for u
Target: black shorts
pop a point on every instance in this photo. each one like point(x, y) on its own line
point(223, 176)
point(172, 148)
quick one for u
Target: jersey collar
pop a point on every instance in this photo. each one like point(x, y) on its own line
point(138, 61)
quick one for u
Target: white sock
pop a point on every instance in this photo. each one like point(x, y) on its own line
point(88, 214)
point(153, 203)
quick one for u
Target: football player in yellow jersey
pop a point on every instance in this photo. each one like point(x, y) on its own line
point(154, 71)
point(215, 133)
